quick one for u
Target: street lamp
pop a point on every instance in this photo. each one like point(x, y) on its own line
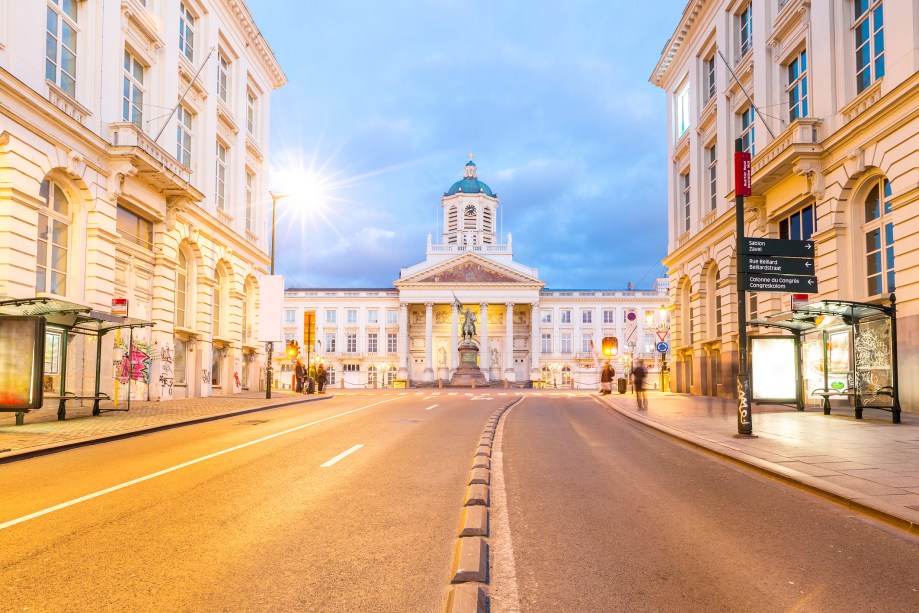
point(269, 346)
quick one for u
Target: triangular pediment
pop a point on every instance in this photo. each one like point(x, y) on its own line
point(469, 268)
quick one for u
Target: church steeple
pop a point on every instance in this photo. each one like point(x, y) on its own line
point(470, 211)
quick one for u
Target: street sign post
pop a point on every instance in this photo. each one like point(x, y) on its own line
point(776, 246)
point(662, 347)
point(778, 283)
point(768, 264)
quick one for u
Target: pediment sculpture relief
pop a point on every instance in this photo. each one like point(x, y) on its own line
point(469, 272)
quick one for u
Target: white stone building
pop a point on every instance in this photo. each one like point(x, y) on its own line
point(133, 136)
point(410, 332)
point(835, 159)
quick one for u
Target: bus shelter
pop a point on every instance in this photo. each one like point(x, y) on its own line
point(42, 360)
point(838, 351)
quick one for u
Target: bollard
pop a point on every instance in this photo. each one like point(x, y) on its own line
point(473, 384)
point(440, 384)
point(505, 384)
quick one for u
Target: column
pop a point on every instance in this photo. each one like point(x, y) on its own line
point(428, 341)
point(403, 372)
point(509, 341)
point(535, 342)
point(454, 357)
point(484, 357)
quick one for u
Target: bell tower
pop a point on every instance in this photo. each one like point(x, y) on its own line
point(469, 211)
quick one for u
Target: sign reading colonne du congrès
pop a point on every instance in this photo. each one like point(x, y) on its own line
point(776, 265)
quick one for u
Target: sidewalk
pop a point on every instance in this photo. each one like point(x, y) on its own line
point(42, 431)
point(870, 465)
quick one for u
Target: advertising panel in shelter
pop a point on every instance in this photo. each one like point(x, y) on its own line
point(22, 341)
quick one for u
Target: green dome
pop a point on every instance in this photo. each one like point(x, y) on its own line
point(469, 186)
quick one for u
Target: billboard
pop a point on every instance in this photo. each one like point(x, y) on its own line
point(22, 355)
point(271, 309)
point(773, 368)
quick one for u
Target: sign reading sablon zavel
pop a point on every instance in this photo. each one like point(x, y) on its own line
point(774, 265)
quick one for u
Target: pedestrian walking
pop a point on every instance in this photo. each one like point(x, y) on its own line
point(321, 378)
point(638, 380)
point(300, 375)
point(606, 378)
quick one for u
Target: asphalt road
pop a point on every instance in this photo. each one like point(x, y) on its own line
point(241, 515)
point(598, 513)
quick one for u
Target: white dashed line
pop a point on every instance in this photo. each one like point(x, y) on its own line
point(340, 456)
point(430, 407)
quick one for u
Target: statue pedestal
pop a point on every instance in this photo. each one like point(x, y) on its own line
point(468, 371)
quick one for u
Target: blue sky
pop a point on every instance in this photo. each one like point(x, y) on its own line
point(386, 100)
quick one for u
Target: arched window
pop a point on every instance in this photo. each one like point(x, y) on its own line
point(878, 230)
point(546, 374)
point(685, 326)
point(566, 376)
point(371, 375)
point(181, 298)
point(713, 303)
point(53, 240)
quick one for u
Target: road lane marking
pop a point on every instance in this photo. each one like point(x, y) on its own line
point(340, 456)
point(166, 471)
point(430, 407)
point(504, 577)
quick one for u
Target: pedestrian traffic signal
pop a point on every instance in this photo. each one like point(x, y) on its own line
point(293, 348)
point(610, 346)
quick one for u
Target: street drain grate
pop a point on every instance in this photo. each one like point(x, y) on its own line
point(252, 422)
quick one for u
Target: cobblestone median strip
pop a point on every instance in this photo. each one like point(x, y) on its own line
point(469, 575)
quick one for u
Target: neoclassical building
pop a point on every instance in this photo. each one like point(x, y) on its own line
point(133, 137)
point(525, 332)
point(835, 159)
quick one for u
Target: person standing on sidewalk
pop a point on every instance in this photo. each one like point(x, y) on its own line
point(300, 373)
point(321, 378)
point(606, 379)
point(638, 379)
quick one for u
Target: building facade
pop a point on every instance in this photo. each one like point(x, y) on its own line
point(410, 332)
point(824, 97)
point(133, 136)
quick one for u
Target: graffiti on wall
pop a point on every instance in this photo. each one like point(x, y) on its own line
point(134, 368)
point(166, 372)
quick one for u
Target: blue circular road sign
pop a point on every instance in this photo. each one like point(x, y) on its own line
point(663, 347)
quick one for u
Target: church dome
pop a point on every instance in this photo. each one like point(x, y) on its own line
point(469, 184)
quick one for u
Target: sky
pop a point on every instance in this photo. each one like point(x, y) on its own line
point(386, 100)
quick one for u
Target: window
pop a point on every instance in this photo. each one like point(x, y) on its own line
point(682, 111)
point(53, 240)
point(372, 343)
point(288, 336)
point(373, 316)
point(61, 45)
point(746, 29)
point(547, 317)
point(797, 87)
point(878, 228)
point(132, 102)
point(352, 316)
point(566, 317)
point(183, 135)
point(331, 316)
point(546, 343)
point(392, 316)
point(251, 112)
point(250, 208)
point(216, 359)
point(331, 372)
point(330, 342)
point(746, 130)
point(587, 317)
point(248, 324)
point(566, 375)
point(134, 228)
point(709, 68)
point(351, 342)
point(752, 306)
point(566, 342)
point(351, 368)
point(609, 316)
point(223, 77)
point(719, 326)
point(186, 32)
point(290, 316)
point(586, 339)
point(391, 342)
point(687, 208)
point(711, 156)
point(181, 306)
point(215, 328)
point(869, 42)
point(798, 225)
point(221, 176)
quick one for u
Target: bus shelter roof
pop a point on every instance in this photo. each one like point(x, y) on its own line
point(812, 315)
point(77, 318)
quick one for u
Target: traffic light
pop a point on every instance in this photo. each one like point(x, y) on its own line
point(610, 346)
point(293, 349)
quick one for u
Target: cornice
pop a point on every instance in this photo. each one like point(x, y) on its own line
point(673, 46)
point(250, 29)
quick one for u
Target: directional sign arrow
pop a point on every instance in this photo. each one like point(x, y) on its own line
point(777, 283)
point(767, 264)
point(775, 246)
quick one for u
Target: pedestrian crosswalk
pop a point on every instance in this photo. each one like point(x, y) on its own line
point(482, 393)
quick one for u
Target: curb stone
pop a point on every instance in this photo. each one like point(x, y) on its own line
point(467, 599)
point(474, 521)
point(470, 560)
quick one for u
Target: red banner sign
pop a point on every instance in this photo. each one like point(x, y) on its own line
point(743, 181)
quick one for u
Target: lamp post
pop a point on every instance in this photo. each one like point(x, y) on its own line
point(269, 346)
